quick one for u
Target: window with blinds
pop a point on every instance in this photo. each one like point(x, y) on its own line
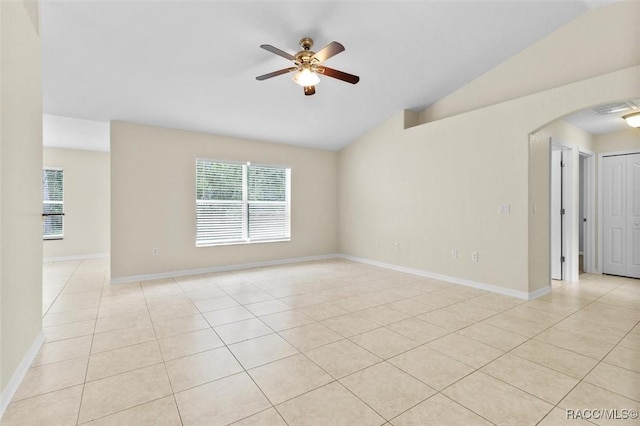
point(241, 203)
point(52, 204)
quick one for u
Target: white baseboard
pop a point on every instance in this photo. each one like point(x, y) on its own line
point(455, 280)
point(17, 376)
point(226, 268)
point(76, 257)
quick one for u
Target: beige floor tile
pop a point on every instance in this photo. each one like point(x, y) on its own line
point(53, 408)
point(172, 311)
point(311, 409)
point(605, 318)
point(526, 312)
point(384, 343)
point(204, 367)
point(493, 336)
point(227, 316)
point(342, 358)
point(120, 338)
point(267, 307)
point(446, 320)
point(323, 311)
point(262, 350)
point(215, 303)
point(138, 319)
point(516, 325)
point(631, 341)
point(109, 363)
point(180, 325)
point(253, 297)
point(268, 417)
point(52, 377)
point(625, 358)
point(567, 339)
point(559, 417)
point(431, 367)
point(590, 330)
point(471, 310)
point(418, 330)
point(548, 385)
point(289, 377)
point(387, 389)
point(69, 331)
point(616, 379)
point(588, 396)
point(382, 315)
point(221, 402)
point(242, 330)
point(556, 358)
point(112, 394)
point(62, 350)
point(51, 319)
point(497, 401)
point(120, 309)
point(466, 350)
point(285, 320)
point(310, 336)
point(554, 308)
point(350, 324)
point(439, 410)
point(161, 412)
point(189, 343)
point(410, 307)
point(435, 300)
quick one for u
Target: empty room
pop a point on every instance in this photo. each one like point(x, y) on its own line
point(319, 212)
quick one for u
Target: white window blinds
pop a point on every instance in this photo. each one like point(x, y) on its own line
point(241, 203)
point(52, 203)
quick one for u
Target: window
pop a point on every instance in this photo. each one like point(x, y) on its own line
point(241, 203)
point(52, 204)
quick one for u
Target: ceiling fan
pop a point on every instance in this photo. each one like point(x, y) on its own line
point(307, 65)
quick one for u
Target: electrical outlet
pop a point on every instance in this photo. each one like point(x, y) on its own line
point(396, 246)
point(155, 252)
point(474, 256)
point(454, 253)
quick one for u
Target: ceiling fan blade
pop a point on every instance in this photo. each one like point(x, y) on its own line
point(309, 90)
point(330, 72)
point(276, 73)
point(277, 51)
point(328, 51)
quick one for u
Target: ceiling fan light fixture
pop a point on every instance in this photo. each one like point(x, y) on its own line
point(305, 77)
point(632, 119)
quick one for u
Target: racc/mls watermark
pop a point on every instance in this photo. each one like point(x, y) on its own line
point(601, 413)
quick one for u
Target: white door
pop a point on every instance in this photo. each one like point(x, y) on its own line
point(633, 216)
point(556, 216)
point(621, 215)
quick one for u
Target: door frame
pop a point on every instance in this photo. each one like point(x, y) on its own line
point(588, 197)
point(601, 155)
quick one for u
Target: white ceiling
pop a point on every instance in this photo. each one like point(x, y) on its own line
point(596, 124)
point(192, 64)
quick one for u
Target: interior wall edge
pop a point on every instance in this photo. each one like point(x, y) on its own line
point(18, 375)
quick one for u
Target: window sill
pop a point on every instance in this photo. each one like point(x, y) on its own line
point(237, 243)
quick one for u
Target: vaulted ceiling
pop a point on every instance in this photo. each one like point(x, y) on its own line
point(192, 64)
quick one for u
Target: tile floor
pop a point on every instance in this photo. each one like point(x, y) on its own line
point(323, 343)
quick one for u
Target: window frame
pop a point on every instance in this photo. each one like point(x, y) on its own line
point(245, 203)
point(60, 236)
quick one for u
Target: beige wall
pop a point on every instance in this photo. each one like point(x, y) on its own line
point(601, 41)
point(21, 180)
point(443, 183)
point(624, 140)
point(86, 202)
point(153, 200)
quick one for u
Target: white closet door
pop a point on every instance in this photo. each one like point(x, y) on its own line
point(614, 215)
point(633, 215)
point(621, 215)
